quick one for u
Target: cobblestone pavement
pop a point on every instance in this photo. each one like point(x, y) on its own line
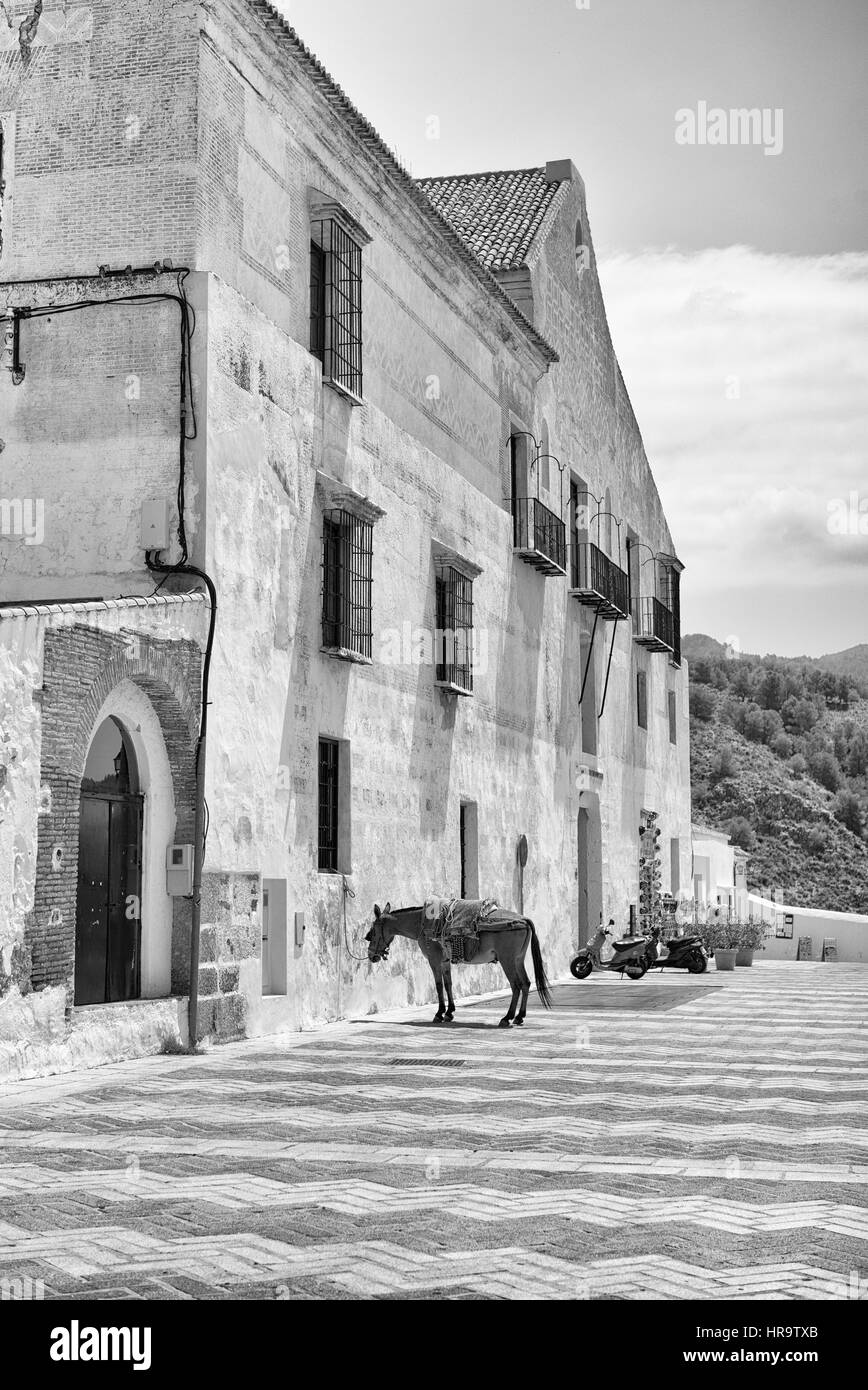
point(672, 1137)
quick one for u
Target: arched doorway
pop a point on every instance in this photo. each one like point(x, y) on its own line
point(108, 909)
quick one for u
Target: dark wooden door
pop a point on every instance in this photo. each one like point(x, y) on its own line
point(108, 916)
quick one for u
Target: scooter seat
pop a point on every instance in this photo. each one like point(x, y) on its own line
point(631, 941)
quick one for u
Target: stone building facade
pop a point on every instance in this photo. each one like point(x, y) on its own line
point(366, 407)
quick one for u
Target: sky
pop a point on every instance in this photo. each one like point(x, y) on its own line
point(735, 280)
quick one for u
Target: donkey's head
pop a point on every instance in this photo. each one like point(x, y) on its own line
point(382, 933)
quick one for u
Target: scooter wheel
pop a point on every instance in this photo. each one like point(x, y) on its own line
point(635, 970)
point(697, 964)
point(581, 967)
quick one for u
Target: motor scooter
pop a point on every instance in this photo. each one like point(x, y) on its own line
point(629, 958)
point(678, 953)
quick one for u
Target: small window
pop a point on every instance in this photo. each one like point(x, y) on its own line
point(469, 849)
point(589, 695)
point(674, 866)
point(454, 635)
point(642, 699)
point(673, 721)
point(317, 300)
point(329, 757)
point(336, 305)
point(347, 570)
point(583, 255)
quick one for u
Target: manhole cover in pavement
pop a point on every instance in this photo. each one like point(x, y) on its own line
point(426, 1062)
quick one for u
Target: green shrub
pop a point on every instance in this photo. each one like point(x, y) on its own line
point(724, 766)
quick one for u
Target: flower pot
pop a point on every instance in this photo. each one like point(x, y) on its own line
point(745, 956)
point(724, 958)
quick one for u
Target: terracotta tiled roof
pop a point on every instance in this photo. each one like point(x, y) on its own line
point(497, 215)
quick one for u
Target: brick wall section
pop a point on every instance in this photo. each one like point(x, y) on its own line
point(106, 143)
point(81, 668)
point(230, 935)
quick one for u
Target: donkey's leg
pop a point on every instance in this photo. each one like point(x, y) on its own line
point(434, 956)
point(450, 1002)
point(524, 981)
point(508, 968)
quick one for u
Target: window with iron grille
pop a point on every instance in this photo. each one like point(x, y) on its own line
point(675, 595)
point(454, 616)
point(347, 567)
point(329, 751)
point(336, 304)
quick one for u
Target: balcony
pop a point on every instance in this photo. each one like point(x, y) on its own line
point(598, 583)
point(539, 536)
point(654, 626)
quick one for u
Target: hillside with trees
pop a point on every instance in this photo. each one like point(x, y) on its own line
point(779, 759)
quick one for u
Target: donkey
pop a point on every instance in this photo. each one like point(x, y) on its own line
point(506, 941)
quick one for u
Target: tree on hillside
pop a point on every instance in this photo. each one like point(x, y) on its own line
point(857, 755)
point(825, 770)
point(798, 765)
point(741, 681)
point(702, 702)
point(799, 716)
point(772, 725)
point(782, 745)
point(849, 812)
point(773, 690)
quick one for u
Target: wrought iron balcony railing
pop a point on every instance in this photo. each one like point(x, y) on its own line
point(598, 583)
point(654, 626)
point(539, 536)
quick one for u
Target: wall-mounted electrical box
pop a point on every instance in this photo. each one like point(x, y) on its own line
point(155, 524)
point(179, 871)
point(299, 929)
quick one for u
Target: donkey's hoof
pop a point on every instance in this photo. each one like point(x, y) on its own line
point(519, 1022)
point(447, 1018)
point(504, 1023)
point(438, 1018)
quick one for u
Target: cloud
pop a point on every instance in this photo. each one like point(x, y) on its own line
point(749, 376)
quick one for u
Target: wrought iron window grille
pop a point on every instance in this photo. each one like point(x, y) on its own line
point(347, 584)
point(328, 766)
point(539, 535)
point(336, 304)
point(454, 629)
point(654, 623)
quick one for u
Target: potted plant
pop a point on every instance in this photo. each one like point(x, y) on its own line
point(751, 936)
point(718, 938)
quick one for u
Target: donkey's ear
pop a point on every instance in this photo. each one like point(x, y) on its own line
point(376, 909)
point(387, 909)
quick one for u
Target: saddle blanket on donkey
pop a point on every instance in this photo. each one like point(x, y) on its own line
point(454, 924)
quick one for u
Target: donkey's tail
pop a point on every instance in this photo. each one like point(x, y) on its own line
point(539, 972)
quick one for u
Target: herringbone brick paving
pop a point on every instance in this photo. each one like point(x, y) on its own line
point(644, 1140)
